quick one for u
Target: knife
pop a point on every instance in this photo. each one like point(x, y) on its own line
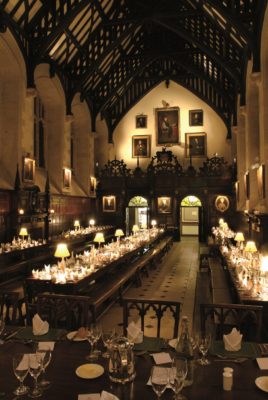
point(14, 333)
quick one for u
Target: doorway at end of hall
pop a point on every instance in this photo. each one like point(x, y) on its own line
point(189, 216)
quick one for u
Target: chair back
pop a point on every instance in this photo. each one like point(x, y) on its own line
point(9, 306)
point(151, 310)
point(64, 311)
point(221, 318)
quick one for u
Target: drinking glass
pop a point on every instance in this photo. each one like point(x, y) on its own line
point(35, 369)
point(159, 379)
point(46, 355)
point(21, 368)
point(94, 333)
point(107, 337)
point(203, 342)
point(177, 375)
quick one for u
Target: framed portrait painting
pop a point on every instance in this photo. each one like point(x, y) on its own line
point(141, 121)
point(196, 118)
point(167, 126)
point(28, 171)
point(67, 178)
point(108, 204)
point(222, 203)
point(164, 205)
point(196, 144)
point(141, 146)
point(92, 186)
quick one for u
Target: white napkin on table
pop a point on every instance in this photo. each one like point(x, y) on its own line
point(232, 341)
point(161, 358)
point(46, 345)
point(96, 396)
point(40, 327)
point(135, 335)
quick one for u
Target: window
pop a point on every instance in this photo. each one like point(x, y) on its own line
point(39, 134)
point(72, 149)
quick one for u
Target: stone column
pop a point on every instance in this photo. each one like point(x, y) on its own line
point(241, 158)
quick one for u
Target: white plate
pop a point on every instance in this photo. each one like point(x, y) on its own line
point(89, 371)
point(71, 335)
point(262, 383)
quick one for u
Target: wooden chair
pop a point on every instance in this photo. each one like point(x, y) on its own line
point(9, 307)
point(64, 311)
point(33, 287)
point(221, 318)
point(156, 309)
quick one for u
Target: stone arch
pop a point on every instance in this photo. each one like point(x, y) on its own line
point(12, 95)
point(103, 150)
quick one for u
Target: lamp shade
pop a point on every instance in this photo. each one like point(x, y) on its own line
point(62, 250)
point(153, 223)
point(23, 232)
point(221, 221)
point(92, 222)
point(76, 223)
point(135, 228)
point(99, 238)
point(251, 247)
point(239, 237)
point(119, 233)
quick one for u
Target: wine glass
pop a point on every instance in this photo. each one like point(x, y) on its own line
point(159, 379)
point(21, 368)
point(177, 375)
point(203, 343)
point(46, 355)
point(94, 333)
point(35, 369)
point(107, 337)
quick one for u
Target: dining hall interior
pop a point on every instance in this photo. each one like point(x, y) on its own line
point(133, 199)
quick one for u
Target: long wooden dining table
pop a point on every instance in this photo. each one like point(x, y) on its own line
point(68, 355)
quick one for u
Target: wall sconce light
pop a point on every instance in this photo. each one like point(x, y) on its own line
point(21, 211)
point(92, 222)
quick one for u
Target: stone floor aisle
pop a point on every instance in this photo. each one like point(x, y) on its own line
point(173, 279)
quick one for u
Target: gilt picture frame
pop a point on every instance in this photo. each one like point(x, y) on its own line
point(141, 146)
point(67, 178)
point(141, 121)
point(196, 144)
point(167, 122)
point(196, 118)
point(28, 170)
point(164, 205)
point(108, 203)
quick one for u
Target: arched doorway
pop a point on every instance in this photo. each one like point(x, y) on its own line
point(190, 216)
point(136, 213)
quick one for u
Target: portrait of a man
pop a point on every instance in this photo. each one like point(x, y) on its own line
point(141, 146)
point(141, 121)
point(196, 145)
point(222, 203)
point(196, 118)
point(67, 178)
point(167, 126)
point(108, 204)
point(164, 205)
point(28, 169)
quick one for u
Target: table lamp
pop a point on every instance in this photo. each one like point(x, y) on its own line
point(153, 223)
point(221, 221)
point(251, 247)
point(118, 234)
point(62, 252)
point(99, 238)
point(135, 229)
point(23, 232)
point(76, 224)
point(92, 222)
point(239, 238)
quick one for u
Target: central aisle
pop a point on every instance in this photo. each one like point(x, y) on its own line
point(173, 279)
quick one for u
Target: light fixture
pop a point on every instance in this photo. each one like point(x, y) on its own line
point(119, 233)
point(153, 223)
point(99, 238)
point(239, 238)
point(77, 224)
point(251, 247)
point(264, 264)
point(92, 222)
point(135, 229)
point(23, 232)
point(221, 221)
point(62, 252)
point(21, 211)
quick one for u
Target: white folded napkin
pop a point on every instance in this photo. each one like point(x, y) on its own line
point(135, 335)
point(40, 327)
point(262, 362)
point(46, 346)
point(161, 358)
point(233, 341)
point(24, 364)
point(96, 396)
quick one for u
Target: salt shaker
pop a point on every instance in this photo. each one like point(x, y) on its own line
point(227, 380)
